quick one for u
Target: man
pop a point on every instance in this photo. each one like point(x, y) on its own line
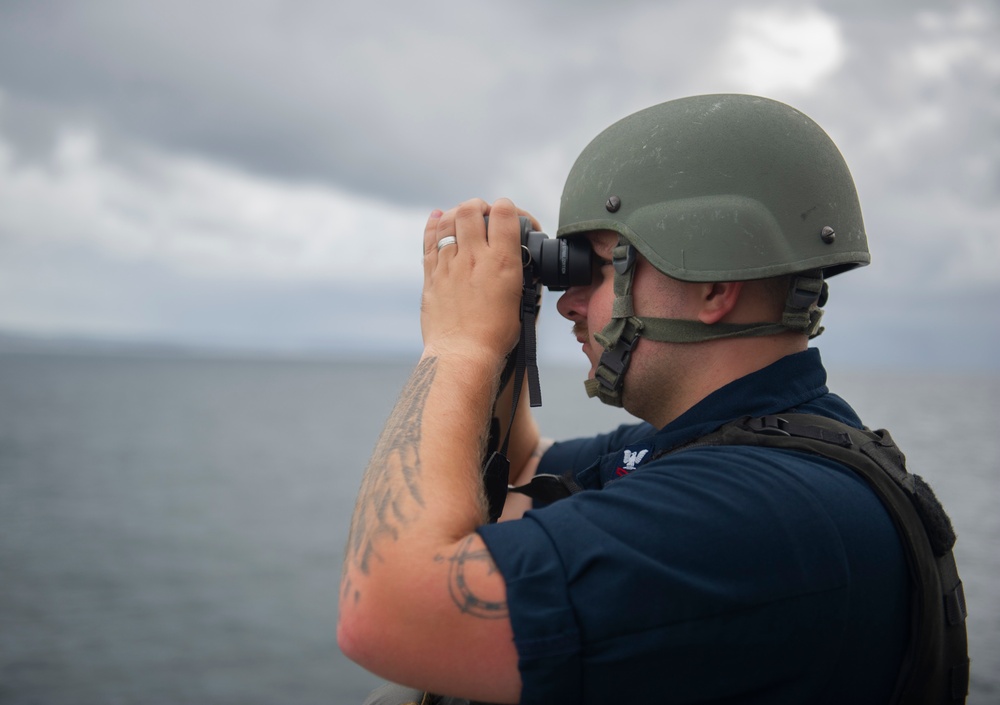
point(716, 573)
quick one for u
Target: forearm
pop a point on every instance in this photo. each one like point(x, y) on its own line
point(416, 573)
point(517, 504)
point(414, 569)
point(423, 485)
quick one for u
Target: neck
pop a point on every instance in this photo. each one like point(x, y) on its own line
point(698, 369)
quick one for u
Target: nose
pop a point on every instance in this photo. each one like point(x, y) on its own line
point(572, 305)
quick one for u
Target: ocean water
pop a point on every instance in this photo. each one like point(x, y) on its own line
point(172, 529)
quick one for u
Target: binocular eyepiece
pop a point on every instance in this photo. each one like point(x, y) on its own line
point(556, 263)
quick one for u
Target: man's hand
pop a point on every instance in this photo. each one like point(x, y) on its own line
point(472, 289)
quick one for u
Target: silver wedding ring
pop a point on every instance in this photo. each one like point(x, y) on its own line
point(445, 241)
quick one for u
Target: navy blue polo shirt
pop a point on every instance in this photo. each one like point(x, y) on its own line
point(716, 574)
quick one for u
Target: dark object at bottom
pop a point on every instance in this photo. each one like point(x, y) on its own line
point(392, 694)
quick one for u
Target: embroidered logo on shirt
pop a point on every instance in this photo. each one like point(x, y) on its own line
point(630, 460)
point(633, 458)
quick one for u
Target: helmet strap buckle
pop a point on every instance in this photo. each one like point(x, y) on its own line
point(806, 293)
point(623, 257)
point(609, 378)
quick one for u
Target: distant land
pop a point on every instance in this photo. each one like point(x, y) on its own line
point(12, 342)
point(890, 354)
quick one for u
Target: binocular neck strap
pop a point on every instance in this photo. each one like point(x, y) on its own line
point(521, 363)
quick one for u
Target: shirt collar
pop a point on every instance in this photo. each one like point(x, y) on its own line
point(787, 383)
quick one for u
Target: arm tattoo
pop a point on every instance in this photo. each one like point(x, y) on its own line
point(464, 564)
point(390, 495)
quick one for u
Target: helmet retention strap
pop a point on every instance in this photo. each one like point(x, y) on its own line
point(621, 334)
point(619, 337)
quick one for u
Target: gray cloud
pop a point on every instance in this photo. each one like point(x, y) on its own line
point(199, 113)
point(415, 102)
point(418, 102)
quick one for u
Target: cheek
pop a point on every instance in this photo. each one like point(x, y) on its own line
point(658, 296)
point(601, 303)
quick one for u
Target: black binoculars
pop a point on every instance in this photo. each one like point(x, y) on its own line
point(556, 263)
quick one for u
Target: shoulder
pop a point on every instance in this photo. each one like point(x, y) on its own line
point(578, 453)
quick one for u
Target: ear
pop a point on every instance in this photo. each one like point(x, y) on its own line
point(718, 299)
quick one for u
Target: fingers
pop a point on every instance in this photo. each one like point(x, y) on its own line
point(534, 221)
point(470, 226)
point(504, 237)
point(430, 231)
point(465, 217)
point(472, 280)
point(466, 225)
point(430, 241)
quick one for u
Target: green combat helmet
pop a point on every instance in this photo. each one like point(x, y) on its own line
point(714, 188)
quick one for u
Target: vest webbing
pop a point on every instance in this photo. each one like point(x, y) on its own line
point(935, 667)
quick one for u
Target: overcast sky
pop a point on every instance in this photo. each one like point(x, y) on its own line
point(251, 173)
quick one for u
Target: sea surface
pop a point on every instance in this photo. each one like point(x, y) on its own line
point(172, 528)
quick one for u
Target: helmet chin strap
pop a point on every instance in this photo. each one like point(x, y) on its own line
point(622, 333)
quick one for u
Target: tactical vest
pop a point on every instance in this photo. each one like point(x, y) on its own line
point(935, 668)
